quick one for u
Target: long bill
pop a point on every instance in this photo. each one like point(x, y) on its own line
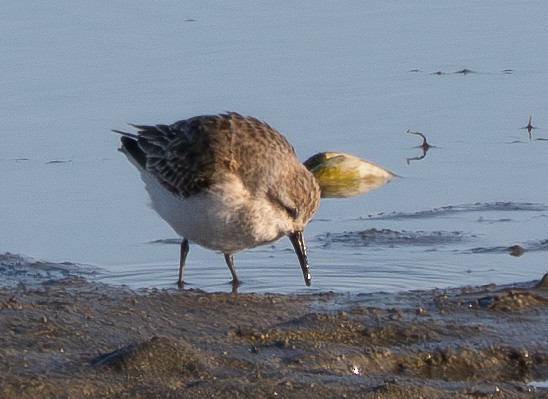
point(300, 249)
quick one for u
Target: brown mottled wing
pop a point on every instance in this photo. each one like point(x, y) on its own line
point(177, 155)
point(189, 155)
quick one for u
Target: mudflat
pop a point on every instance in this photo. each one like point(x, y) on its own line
point(73, 338)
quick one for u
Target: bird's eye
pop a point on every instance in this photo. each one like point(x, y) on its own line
point(293, 212)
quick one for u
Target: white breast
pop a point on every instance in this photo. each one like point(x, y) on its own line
point(225, 218)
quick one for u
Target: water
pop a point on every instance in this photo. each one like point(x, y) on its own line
point(350, 77)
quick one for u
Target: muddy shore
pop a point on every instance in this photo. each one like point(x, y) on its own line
point(73, 338)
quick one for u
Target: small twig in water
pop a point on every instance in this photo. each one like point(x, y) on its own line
point(529, 127)
point(425, 146)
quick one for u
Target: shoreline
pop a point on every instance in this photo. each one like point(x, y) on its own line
point(75, 338)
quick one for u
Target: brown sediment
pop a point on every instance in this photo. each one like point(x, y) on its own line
point(74, 338)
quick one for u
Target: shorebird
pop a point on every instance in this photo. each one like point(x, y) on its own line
point(225, 182)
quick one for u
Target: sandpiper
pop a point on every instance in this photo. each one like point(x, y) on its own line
point(225, 182)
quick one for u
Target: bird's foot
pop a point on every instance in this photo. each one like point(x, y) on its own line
point(235, 284)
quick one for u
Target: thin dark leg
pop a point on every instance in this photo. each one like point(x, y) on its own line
point(184, 252)
point(229, 259)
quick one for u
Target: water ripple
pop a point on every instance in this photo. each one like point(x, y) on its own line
point(463, 208)
point(514, 250)
point(16, 269)
point(392, 238)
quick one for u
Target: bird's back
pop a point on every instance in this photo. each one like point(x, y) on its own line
point(231, 143)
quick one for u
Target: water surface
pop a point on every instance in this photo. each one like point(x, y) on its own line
point(350, 77)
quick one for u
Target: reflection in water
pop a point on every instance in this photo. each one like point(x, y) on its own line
point(529, 127)
point(425, 146)
point(342, 175)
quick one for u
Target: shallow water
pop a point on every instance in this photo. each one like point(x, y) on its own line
point(351, 78)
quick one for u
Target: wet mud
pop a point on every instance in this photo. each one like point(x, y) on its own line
point(74, 338)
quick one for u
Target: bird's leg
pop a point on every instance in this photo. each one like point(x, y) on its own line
point(229, 259)
point(184, 252)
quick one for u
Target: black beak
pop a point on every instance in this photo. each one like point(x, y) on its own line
point(300, 249)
